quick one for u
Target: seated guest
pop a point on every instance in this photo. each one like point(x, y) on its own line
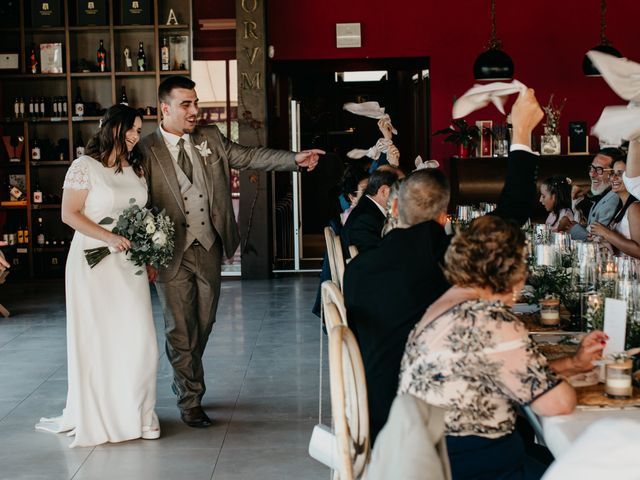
point(471, 355)
point(603, 200)
point(623, 233)
point(388, 288)
point(363, 228)
point(354, 182)
point(555, 197)
point(632, 174)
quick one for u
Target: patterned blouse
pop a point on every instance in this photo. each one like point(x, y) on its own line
point(476, 360)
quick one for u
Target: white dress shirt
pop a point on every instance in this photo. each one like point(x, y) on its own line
point(171, 141)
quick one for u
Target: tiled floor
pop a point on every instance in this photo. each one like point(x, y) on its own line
point(262, 374)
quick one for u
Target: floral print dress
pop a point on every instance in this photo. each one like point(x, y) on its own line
point(477, 361)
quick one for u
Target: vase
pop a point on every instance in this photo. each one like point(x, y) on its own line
point(463, 151)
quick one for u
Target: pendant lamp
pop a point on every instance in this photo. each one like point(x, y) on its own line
point(493, 63)
point(589, 68)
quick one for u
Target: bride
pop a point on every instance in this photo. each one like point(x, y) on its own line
point(111, 341)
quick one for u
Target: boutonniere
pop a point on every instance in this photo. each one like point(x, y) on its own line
point(204, 149)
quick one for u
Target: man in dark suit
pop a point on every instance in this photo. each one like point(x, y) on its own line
point(363, 228)
point(187, 171)
point(388, 288)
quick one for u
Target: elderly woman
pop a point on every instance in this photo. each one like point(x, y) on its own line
point(469, 354)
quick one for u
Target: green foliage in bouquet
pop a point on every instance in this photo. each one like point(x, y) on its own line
point(151, 236)
point(549, 282)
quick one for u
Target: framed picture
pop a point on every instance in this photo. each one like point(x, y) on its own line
point(485, 145)
point(578, 140)
point(179, 52)
point(550, 144)
point(51, 58)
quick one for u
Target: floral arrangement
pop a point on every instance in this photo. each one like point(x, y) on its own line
point(552, 125)
point(549, 281)
point(461, 133)
point(151, 236)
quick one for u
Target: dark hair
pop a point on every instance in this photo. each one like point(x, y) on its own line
point(616, 154)
point(111, 135)
point(169, 83)
point(423, 196)
point(489, 254)
point(379, 178)
point(561, 188)
point(351, 177)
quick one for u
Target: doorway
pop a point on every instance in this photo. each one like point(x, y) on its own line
point(320, 89)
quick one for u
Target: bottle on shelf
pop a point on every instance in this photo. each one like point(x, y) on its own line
point(43, 107)
point(16, 107)
point(79, 146)
point(123, 96)
point(65, 110)
point(35, 150)
point(33, 60)
point(78, 105)
point(25, 235)
point(142, 60)
point(41, 237)
point(54, 106)
point(20, 235)
point(37, 194)
point(31, 107)
point(21, 107)
point(102, 57)
point(164, 55)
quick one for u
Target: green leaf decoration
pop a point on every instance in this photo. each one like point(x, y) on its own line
point(139, 272)
point(132, 200)
point(106, 221)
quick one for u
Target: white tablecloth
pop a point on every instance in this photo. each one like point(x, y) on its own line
point(560, 432)
point(594, 445)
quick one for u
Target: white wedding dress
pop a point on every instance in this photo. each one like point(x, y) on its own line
point(111, 340)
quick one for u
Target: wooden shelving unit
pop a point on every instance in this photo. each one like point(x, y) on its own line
point(79, 46)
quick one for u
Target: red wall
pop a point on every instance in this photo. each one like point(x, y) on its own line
point(546, 40)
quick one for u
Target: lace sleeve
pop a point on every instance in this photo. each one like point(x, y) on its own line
point(77, 177)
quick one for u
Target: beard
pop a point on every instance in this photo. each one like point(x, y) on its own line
point(599, 189)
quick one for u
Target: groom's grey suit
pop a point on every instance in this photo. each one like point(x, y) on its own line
point(202, 212)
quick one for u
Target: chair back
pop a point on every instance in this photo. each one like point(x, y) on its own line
point(333, 307)
point(334, 253)
point(349, 405)
point(535, 423)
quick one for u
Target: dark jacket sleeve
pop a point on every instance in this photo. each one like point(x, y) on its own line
point(519, 192)
point(365, 233)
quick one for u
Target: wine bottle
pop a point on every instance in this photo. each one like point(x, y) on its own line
point(65, 110)
point(25, 235)
point(16, 107)
point(35, 149)
point(102, 57)
point(123, 96)
point(79, 104)
point(43, 107)
point(37, 194)
point(33, 60)
point(31, 107)
point(40, 234)
point(164, 55)
point(20, 235)
point(79, 146)
point(21, 107)
point(142, 60)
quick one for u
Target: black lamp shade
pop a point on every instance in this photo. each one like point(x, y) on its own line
point(589, 68)
point(493, 64)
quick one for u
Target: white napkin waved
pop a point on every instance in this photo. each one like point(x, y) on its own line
point(479, 96)
point(370, 110)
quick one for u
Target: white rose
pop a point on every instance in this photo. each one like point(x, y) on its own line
point(159, 238)
point(150, 228)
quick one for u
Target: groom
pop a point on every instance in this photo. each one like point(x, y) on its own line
point(187, 171)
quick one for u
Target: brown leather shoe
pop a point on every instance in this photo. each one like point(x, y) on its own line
point(195, 417)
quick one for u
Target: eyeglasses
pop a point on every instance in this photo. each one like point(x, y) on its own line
point(599, 170)
point(617, 173)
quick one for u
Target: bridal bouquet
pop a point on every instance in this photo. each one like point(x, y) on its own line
point(151, 236)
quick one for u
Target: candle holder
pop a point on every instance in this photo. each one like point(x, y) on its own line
point(618, 379)
point(550, 311)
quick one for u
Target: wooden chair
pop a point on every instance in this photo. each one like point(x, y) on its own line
point(333, 307)
point(349, 405)
point(334, 253)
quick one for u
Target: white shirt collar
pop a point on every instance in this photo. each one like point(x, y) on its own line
point(172, 139)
